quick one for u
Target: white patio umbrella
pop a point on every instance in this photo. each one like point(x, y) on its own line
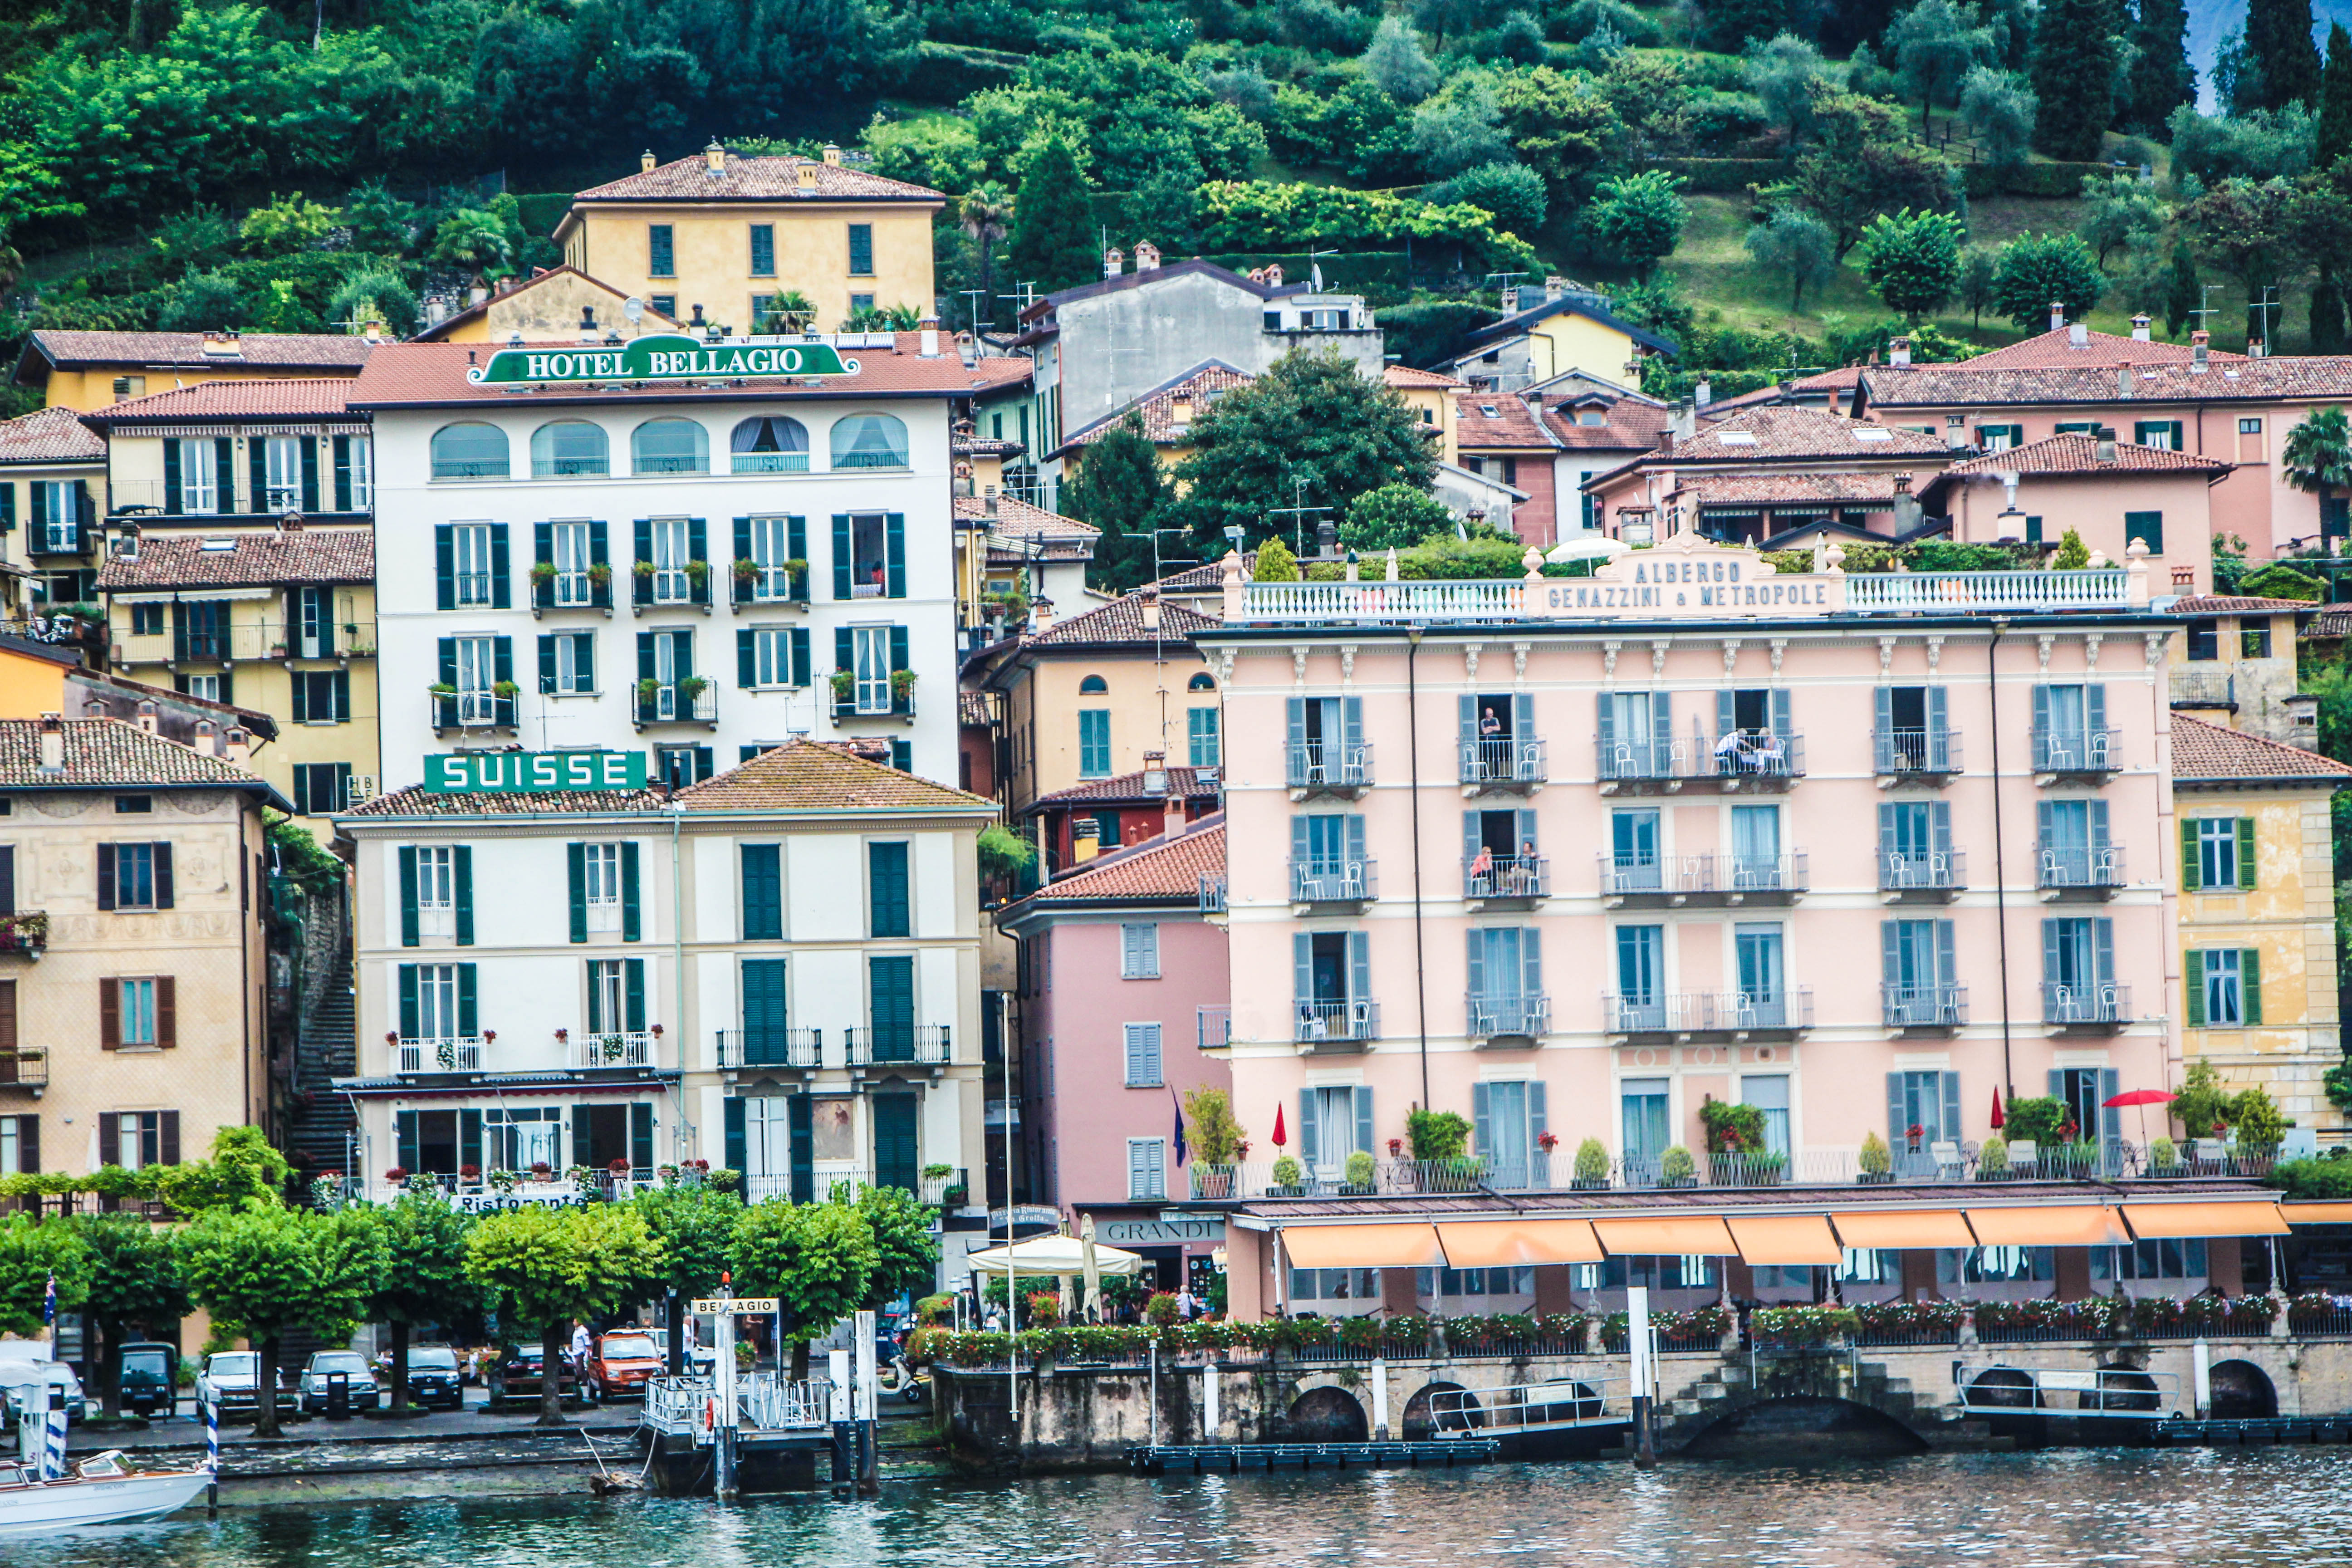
point(1586, 546)
point(1055, 1255)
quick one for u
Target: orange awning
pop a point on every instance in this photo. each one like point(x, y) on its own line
point(2316, 1213)
point(1401, 1246)
point(1791, 1238)
point(2152, 1222)
point(1665, 1235)
point(1488, 1244)
point(1896, 1230)
point(2052, 1225)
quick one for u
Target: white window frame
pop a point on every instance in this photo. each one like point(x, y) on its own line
point(199, 477)
point(315, 611)
point(601, 885)
point(477, 674)
point(567, 665)
point(608, 993)
point(205, 687)
point(672, 545)
point(869, 649)
point(1146, 1169)
point(360, 456)
point(2217, 843)
point(1145, 1064)
point(282, 469)
point(1138, 950)
point(2225, 988)
point(469, 564)
point(772, 656)
point(436, 997)
point(770, 548)
point(436, 891)
point(570, 543)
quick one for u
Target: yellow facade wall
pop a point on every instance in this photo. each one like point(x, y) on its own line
point(712, 250)
point(30, 687)
point(1567, 342)
point(92, 389)
point(1148, 697)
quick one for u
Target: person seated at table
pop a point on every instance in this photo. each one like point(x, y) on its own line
point(1731, 750)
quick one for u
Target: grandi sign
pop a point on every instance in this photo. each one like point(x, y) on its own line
point(476, 773)
point(663, 357)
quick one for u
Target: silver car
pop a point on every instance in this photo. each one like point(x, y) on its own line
point(228, 1380)
point(20, 1379)
point(365, 1393)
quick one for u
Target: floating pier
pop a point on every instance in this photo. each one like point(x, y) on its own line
point(1235, 1457)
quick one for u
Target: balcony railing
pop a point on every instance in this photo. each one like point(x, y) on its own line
point(2104, 1003)
point(671, 585)
point(2093, 869)
point(56, 539)
point(2204, 685)
point(925, 1043)
point(771, 1048)
point(1653, 759)
point(25, 931)
point(772, 585)
point(1705, 877)
point(818, 1183)
point(1322, 1020)
point(1333, 881)
point(1905, 871)
point(1212, 894)
point(1499, 877)
point(24, 1068)
point(2073, 751)
point(612, 1048)
point(1703, 1012)
point(1925, 752)
point(1503, 760)
point(459, 1054)
point(769, 463)
point(1328, 765)
point(1493, 1018)
point(1214, 1027)
point(894, 704)
point(1510, 599)
point(1765, 754)
point(1985, 593)
point(677, 702)
point(572, 591)
point(473, 710)
point(1929, 1006)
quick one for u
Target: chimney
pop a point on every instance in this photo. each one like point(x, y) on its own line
point(2257, 349)
point(1086, 839)
point(929, 346)
point(1172, 816)
point(224, 345)
point(832, 153)
point(147, 714)
point(1151, 609)
point(646, 162)
point(588, 333)
point(1147, 257)
point(2139, 329)
point(1274, 274)
point(2201, 343)
point(1906, 506)
point(1114, 262)
point(53, 744)
point(1702, 393)
point(235, 750)
point(2078, 336)
point(1326, 539)
point(1667, 443)
point(714, 159)
point(1041, 614)
point(1155, 773)
point(1685, 421)
point(2106, 450)
point(2057, 314)
point(374, 333)
point(203, 741)
point(988, 502)
point(806, 173)
point(1899, 351)
point(2127, 379)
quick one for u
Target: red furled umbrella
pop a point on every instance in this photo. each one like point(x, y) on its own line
point(1999, 1120)
point(2143, 1097)
point(1280, 1137)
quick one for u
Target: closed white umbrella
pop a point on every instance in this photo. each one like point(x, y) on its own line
point(1091, 1265)
point(1586, 546)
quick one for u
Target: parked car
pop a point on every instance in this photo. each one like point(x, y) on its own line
point(619, 1362)
point(149, 1374)
point(366, 1393)
point(433, 1377)
point(700, 1357)
point(18, 1378)
point(516, 1375)
point(228, 1380)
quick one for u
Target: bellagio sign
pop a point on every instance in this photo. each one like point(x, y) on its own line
point(662, 357)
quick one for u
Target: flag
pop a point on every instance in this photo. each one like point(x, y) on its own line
point(49, 1301)
point(1181, 1154)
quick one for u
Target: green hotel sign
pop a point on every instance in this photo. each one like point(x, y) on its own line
point(665, 357)
point(476, 773)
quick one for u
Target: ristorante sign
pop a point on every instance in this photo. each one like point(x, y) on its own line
point(666, 357)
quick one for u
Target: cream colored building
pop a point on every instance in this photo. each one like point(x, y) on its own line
point(52, 487)
point(89, 371)
point(2258, 913)
point(133, 1013)
point(719, 235)
point(556, 306)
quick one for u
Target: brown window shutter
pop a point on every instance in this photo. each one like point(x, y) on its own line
point(164, 1013)
point(167, 1141)
point(110, 1015)
point(105, 875)
point(7, 879)
point(28, 1144)
point(7, 1015)
point(110, 1138)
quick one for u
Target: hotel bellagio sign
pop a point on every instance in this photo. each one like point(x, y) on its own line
point(668, 356)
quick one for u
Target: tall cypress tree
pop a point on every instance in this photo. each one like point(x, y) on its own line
point(1054, 223)
point(2074, 76)
point(2161, 77)
point(2278, 43)
point(2336, 98)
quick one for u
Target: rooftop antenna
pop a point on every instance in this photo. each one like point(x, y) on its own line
point(976, 296)
point(2264, 306)
point(1297, 514)
point(2205, 307)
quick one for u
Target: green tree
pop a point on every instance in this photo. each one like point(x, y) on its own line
point(1998, 109)
point(1786, 75)
point(1273, 562)
point(2119, 210)
point(906, 1259)
point(1119, 488)
point(1395, 64)
point(2253, 230)
point(1310, 424)
point(374, 294)
point(2201, 1104)
point(1436, 1135)
point(2318, 458)
point(551, 1265)
point(202, 302)
point(1797, 244)
point(985, 215)
point(2071, 555)
point(2327, 326)
point(2336, 98)
point(1638, 217)
point(274, 1270)
point(1913, 260)
point(244, 1170)
point(1512, 192)
point(817, 1259)
point(695, 1226)
point(2034, 269)
point(1864, 164)
point(424, 1278)
point(2279, 47)
point(2185, 296)
point(1216, 1138)
point(1562, 128)
point(1733, 25)
point(134, 1278)
point(2074, 74)
point(1935, 44)
point(287, 224)
point(1053, 243)
point(31, 1253)
point(473, 239)
point(1460, 129)
point(380, 222)
point(2161, 80)
point(1977, 264)
point(1396, 516)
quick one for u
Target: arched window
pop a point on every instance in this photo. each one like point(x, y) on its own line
point(1203, 681)
point(869, 441)
point(563, 447)
point(469, 451)
point(1093, 684)
point(669, 447)
point(770, 444)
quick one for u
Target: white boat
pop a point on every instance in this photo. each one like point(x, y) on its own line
point(102, 1489)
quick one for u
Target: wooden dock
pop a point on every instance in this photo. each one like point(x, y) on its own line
point(2209, 1434)
point(1232, 1459)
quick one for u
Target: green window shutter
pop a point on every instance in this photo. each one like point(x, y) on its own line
point(800, 646)
point(747, 663)
point(632, 929)
point(447, 652)
point(546, 661)
point(2147, 527)
point(633, 994)
point(408, 1001)
point(444, 566)
point(742, 540)
point(641, 1137)
point(405, 1125)
point(464, 860)
point(342, 682)
point(886, 877)
point(2246, 854)
point(468, 1023)
point(583, 659)
point(735, 1142)
point(2250, 982)
point(843, 656)
point(342, 472)
point(641, 538)
point(2193, 982)
point(576, 866)
point(257, 469)
point(894, 534)
point(895, 1159)
point(763, 899)
point(2192, 872)
point(645, 656)
point(408, 937)
point(501, 575)
point(698, 539)
point(310, 477)
point(801, 1127)
point(298, 689)
point(841, 561)
point(543, 544)
point(899, 648)
point(469, 1139)
point(796, 549)
point(502, 666)
point(171, 480)
point(224, 473)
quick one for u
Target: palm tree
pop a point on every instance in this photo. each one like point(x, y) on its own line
point(986, 216)
point(2318, 456)
point(788, 313)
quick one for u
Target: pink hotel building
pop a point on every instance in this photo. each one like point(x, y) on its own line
point(1573, 857)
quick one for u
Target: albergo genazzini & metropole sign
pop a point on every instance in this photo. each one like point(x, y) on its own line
point(663, 357)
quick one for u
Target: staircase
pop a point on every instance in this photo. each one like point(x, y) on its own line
point(1686, 1413)
point(326, 1048)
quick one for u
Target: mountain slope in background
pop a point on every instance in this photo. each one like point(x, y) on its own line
point(2210, 21)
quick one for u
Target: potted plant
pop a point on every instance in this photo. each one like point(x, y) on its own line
point(697, 573)
point(446, 1053)
point(797, 569)
point(902, 686)
point(1992, 1159)
point(469, 1174)
point(1288, 1178)
point(542, 574)
point(954, 1195)
point(600, 574)
point(1677, 1168)
point(503, 1180)
point(646, 690)
point(2163, 1156)
point(644, 569)
point(1359, 1182)
point(396, 1176)
point(845, 687)
point(692, 686)
point(442, 690)
point(744, 569)
point(506, 691)
point(541, 1170)
point(1878, 1161)
point(1592, 1164)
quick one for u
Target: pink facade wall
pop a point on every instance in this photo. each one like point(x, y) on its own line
point(2093, 505)
point(1832, 935)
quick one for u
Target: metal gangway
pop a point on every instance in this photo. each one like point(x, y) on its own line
point(1563, 1403)
point(765, 1403)
point(2120, 1393)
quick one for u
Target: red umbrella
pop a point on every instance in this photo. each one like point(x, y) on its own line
point(2143, 1097)
point(1998, 1119)
point(1280, 1137)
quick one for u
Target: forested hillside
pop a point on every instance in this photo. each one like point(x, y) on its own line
point(1777, 183)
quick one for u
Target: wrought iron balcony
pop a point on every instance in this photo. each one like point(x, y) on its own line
point(1917, 753)
point(1787, 1010)
point(1921, 871)
point(1761, 757)
point(1337, 1021)
point(1704, 878)
point(473, 710)
point(1928, 1006)
point(2096, 869)
point(1337, 881)
point(1636, 762)
point(25, 931)
point(771, 1048)
point(1505, 880)
point(25, 1067)
point(1492, 1017)
point(1214, 1027)
point(571, 591)
point(1330, 766)
point(772, 585)
point(2203, 685)
point(1502, 763)
point(691, 701)
point(612, 1048)
point(2074, 752)
point(657, 587)
point(892, 703)
point(923, 1044)
point(2099, 1004)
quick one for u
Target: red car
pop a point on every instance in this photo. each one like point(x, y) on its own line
point(619, 1362)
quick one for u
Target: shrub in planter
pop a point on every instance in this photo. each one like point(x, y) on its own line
point(844, 683)
point(1592, 1163)
point(1677, 1166)
point(692, 686)
point(1160, 1311)
point(2163, 1153)
point(1043, 1308)
point(600, 574)
point(744, 569)
point(902, 684)
point(543, 572)
point(1876, 1158)
point(1288, 1173)
point(1359, 1170)
point(1992, 1159)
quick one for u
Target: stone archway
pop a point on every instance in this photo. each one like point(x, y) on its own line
point(1327, 1415)
point(2124, 1388)
point(2242, 1392)
point(2001, 1388)
point(1421, 1418)
point(1801, 1424)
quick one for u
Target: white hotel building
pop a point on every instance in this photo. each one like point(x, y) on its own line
point(697, 569)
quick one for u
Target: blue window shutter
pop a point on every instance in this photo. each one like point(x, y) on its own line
point(632, 929)
point(894, 537)
point(1482, 1127)
point(1532, 961)
point(1947, 967)
point(408, 1001)
point(1895, 1123)
point(2094, 709)
point(737, 1144)
point(1477, 961)
point(1466, 709)
point(2103, 950)
point(1605, 725)
point(501, 570)
point(408, 934)
point(1364, 1117)
point(1359, 966)
point(2110, 1117)
point(1302, 967)
point(1539, 1120)
point(463, 861)
point(841, 557)
point(444, 566)
point(575, 863)
point(468, 1025)
point(1309, 1135)
point(1727, 707)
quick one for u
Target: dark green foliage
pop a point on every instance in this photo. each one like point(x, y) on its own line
point(2281, 580)
point(297, 855)
point(2184, 297)
point(2327, 335)
point(1512, 192)
point(1864, 164)
point(1427, 333)
point(1638, 218)
point(2034, 269)
point(2073, 70)
point(1797, 244)
point(204, 302)
point(1394, 515)
point(1563, 131)
point(2161, 80)
point(1054, 238)
point(2279, 47)
point(1732, 24)
point(2261, 144)
point(1913, 260)
point(1119, 488)
point(2336, 98)
point(2034, 1119)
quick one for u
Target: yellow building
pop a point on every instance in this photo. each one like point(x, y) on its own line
point(144, 1027)
point(1556, 332)
point(242, 569)
point(559, 305)
point(89, 371)
point(718, 237)
point(2258, 912)
point(2235, 665)
point(52, 487)
point(1430, 394)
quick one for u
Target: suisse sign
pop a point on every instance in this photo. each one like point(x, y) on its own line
point(668, 356)
point(479, 773)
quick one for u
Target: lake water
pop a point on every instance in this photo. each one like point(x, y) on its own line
point(2065, 1509)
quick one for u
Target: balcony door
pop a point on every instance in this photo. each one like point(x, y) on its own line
point(765, 1037)
point(870, 651)
point(890, 991)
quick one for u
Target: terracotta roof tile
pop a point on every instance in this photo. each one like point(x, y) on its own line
point(808, 775)
point(1786, 431)
point(2312, 377)
point(1193, 784)
point(2056, 348)
point(2235, 605)
point(2202, 751)
point(1839, 379)
point(50, 436)
point(1017, 520)
point(2075, 453)
point(319, 350)
point(1196, 388)
point(1486, 420)
point(1208, 577)
point(103, 751)
point(415, 800)
point(2328, 623)
point(1845, 489)
point(314, 397)
point(307, 555)
point(1122, 621)
point(434, 375)
point(1406, 376)
point(1161, 867)
point(755, 179)
point(1630, 423)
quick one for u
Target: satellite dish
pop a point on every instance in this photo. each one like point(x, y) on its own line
point(634, 308)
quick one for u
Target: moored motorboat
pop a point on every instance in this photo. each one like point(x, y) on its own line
point(102, 1489)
